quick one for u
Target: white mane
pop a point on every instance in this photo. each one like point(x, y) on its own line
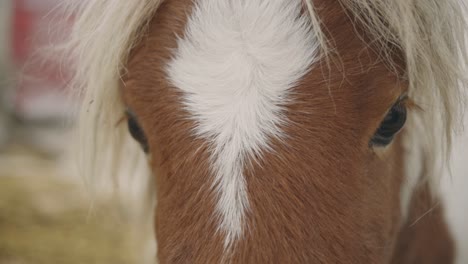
point(102, 37)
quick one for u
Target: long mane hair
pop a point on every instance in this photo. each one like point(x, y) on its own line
point(429, 33)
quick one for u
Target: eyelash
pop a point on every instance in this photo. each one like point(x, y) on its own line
point(135, 130)
point(393, 123)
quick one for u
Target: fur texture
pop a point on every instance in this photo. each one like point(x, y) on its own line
point(423, 39)
point(235, 66)
point(436, 62)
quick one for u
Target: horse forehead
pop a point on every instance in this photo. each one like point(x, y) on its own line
point(258, 51)
point(241, 59)
point(241, 41)
point(235, 66)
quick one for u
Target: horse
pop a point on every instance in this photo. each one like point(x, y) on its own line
point(276, 131)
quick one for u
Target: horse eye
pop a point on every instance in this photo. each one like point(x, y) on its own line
point(136, 131)
point(390, 126)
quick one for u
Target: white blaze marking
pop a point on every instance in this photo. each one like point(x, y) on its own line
point(236, 65)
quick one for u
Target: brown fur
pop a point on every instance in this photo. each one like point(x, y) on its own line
point(322, 195)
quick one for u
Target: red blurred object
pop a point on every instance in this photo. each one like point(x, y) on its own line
point(40, 91)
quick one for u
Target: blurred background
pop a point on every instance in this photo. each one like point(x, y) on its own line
point(46, 215)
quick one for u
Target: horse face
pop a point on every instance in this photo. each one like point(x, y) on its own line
point(264, 149)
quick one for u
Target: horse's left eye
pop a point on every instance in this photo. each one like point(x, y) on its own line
point(136, 131)
point(391, 125)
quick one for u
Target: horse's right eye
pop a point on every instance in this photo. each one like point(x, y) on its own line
point(136, 131)
point(391, 125)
